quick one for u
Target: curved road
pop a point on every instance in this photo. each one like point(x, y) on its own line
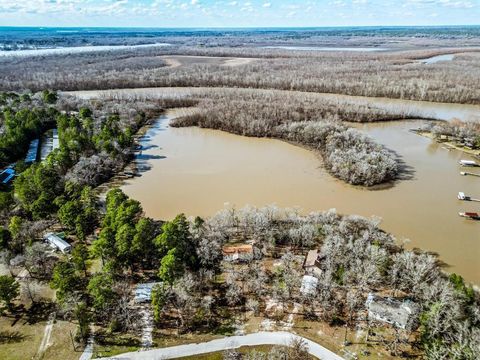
point(233, 342)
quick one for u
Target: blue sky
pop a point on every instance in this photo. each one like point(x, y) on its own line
point(237, 13)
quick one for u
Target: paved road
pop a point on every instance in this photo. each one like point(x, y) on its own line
point(233, 342)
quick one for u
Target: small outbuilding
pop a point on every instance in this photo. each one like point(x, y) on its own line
point(309, 285)
point(6, 176)
point(238, 253)
point(32, 153)
point(402, 314)
point(312, 263)
point(58, 243)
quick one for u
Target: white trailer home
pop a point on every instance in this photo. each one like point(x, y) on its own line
point(57, 242)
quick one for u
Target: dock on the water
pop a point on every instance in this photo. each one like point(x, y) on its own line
point(470, 163)
point(466, 173)
point(470, 215)
point(462, 196)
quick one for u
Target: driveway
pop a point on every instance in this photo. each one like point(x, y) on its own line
point(233, 342)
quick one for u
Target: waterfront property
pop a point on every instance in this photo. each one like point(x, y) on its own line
point(401, 314)
point(57, 242)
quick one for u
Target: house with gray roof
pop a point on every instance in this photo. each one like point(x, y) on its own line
point(402, 314)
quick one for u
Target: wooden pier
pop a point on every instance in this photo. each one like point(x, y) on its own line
point(465, 173)
point(462, 196)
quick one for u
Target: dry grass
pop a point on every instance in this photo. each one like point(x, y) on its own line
point(20, 340)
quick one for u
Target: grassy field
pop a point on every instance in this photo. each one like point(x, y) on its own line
point(219, 355)
point(20, 340)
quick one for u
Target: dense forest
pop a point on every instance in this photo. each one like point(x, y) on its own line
point(391, 74)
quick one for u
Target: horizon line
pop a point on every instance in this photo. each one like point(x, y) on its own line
point(237, 28)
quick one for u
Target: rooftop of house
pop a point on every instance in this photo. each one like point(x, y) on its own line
point(57, 241)
point(401, 313)
point(309, 285)
point(7, 175)
point(244, 249)
point(312, 256)
point(143, 292)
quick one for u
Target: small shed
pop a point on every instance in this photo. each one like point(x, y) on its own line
point(57, 242)
point(143, 292)
point(309, 285)
point(237, 253)
point(402, 314)
point(32, 153)
point(312, 263)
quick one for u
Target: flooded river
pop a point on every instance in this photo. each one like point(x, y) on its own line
point(74, 50)
point(199, 171)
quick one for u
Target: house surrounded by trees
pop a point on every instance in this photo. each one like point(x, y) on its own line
point(401, 314)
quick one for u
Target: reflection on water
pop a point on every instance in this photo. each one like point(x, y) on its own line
point(75, 50)
point(197, 171)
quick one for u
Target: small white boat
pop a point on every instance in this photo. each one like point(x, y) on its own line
point(468, 163)
point(462, 196)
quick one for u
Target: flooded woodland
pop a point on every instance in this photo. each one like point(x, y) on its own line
point(200, 171)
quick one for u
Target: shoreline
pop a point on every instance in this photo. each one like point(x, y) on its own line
point(449, 144)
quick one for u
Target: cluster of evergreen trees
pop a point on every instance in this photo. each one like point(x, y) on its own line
point(23, 119)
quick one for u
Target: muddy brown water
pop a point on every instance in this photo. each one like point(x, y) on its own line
point(199, 171)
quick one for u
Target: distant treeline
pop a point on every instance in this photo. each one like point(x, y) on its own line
point(12, 38)
point(393, 75)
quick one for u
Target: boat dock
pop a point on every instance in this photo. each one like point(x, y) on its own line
point(466, 173)
point(469, 163)
point(470, 215)
point(462, 196)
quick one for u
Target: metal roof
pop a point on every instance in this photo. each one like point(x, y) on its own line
point(7, 175)
point(143, 292)
point(58, 242)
